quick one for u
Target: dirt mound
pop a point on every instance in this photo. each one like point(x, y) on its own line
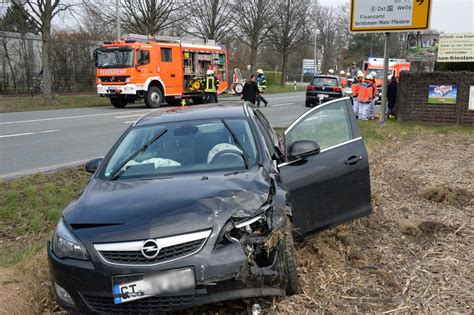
point(442, 193)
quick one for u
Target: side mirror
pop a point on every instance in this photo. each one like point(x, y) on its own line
point(93, 165)
point(304, 148)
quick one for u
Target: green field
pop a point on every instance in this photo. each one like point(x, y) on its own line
point(441, 100)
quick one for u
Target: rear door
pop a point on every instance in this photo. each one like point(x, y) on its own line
point(170, 68)
point(333, 186)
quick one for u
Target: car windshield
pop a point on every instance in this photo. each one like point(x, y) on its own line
point(199, 146)
point(324, 81)
point(114, 58)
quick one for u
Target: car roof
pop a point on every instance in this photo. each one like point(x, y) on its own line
point(173, 114)
point(326, 76)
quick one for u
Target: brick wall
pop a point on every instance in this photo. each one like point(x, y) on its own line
point(412, 98)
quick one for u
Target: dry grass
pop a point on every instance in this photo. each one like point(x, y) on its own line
point(415, 252)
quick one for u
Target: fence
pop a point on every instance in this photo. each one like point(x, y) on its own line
point(413, 92)
point(72, 64)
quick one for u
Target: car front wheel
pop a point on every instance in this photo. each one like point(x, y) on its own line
point(292, 286)
point(118, 102)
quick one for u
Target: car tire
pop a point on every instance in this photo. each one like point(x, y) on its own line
point(153, 97)
point(118, 102)
point(292, 286)
point(239, 88)
point(307, 104)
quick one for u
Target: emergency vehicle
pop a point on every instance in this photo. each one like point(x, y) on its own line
point(157, 69)
point(395, 66)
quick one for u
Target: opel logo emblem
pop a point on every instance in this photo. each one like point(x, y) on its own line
point(150, 249)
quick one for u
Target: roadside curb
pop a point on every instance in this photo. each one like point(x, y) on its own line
point(46, 169)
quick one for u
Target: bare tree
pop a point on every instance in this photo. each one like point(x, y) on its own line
point(41, 13)
point(208, 19)
point(146, 17)
point(291, 22)
point(254, 21)
point(326, 22)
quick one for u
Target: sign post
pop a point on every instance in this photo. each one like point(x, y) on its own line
point(389, 16)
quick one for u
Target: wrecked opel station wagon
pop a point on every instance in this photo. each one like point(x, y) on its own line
point(200, 205)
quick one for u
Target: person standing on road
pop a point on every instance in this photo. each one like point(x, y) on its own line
point(211, 87)
point(355, 91)
point(392, 95)
point(365, 97)
point(372, 104)
point(262, 86)
point(250, 91)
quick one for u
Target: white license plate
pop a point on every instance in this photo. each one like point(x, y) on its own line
point(160, 283)
point(321, 96)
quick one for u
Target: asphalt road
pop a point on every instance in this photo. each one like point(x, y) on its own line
point(40, 141)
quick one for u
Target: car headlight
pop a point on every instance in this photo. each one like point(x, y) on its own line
point(66, 245)
point(127, 79)
point(241, 226)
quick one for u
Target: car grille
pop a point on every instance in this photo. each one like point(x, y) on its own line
point(113, 78)
point(148, 305)
point(165, 254)
point(165, 249)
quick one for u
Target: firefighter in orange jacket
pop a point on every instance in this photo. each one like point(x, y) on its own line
point(355, 91)
point(372, 104)
point(365, 97)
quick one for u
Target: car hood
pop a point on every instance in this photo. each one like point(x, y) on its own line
point(166, 206)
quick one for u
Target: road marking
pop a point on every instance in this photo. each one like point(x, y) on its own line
point(129, 122)
point(59, 118)
point(28, 133)
point(284, 104)
point(128, 116)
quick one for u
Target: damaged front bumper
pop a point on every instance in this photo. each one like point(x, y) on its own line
point(243, 261)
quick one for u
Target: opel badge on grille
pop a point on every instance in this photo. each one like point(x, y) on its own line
point(150, 249)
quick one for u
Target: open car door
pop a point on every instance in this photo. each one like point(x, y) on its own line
point(327, 168)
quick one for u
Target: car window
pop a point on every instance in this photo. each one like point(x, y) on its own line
point(186, 147)
point(143, 57)
point(328, 125)
point(324, 81)
point(166, 55)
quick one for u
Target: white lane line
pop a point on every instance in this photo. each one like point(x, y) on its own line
point(28, 133)
point(59, 118)
point(128, 116)
point(284, 104)
point(129, 122)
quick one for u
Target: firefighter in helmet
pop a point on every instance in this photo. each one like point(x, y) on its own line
point(262, 86)
point(365, 97)
point(374, 86)
point(331, 72)
point(211, 87)
point(355, 91)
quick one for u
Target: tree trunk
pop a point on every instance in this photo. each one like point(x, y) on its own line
point(253, 57)
point(46, 45)
point(283, 67)
point(9, 62)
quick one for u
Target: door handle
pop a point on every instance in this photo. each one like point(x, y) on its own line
point(353, 160)
point(173, 75)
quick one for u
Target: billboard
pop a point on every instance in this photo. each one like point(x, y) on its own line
point(456, 47)
point(442, 94)
point(389, 15)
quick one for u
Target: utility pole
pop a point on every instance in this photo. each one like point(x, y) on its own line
point(384, 85)
point(315, 51)
point(117, 13)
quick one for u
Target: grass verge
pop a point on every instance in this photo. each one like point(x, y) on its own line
point(33, 103)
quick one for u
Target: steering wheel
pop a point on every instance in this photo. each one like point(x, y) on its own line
point(227, 152)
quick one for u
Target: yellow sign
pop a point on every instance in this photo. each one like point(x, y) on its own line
point(389, 15)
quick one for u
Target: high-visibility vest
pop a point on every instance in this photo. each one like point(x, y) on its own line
point(211, 84)
point(355, 87)
point(374, 85)
point(366, 92)
point(261, 82)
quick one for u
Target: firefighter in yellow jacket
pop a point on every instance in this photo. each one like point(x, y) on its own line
point(211, 87)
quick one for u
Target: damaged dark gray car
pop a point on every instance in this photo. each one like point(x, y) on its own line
point(200, 205)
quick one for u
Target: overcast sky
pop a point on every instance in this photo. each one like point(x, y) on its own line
point(450, 16)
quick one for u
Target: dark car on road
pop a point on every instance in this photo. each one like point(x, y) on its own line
point(323, 88)
point(200, 205)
